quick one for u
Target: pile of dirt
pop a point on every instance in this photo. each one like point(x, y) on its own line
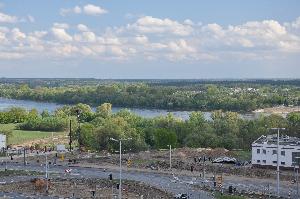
point(185, 153)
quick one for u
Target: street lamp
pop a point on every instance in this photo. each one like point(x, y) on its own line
point(278, 129)
point(170, 158)
point(47, 172)
point(78, 120)
point(120, 143)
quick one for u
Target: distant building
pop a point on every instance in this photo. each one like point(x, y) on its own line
point(2, 141)
point(264, 151)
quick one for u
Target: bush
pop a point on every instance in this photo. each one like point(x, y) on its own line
point(44, 124)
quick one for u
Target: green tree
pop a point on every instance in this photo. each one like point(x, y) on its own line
point(164, 137)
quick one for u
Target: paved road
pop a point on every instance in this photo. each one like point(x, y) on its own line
point(162, 181)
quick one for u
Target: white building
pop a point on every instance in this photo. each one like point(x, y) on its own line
point(264, 151)
point(2, 141)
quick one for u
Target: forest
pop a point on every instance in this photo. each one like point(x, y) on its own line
point(224, 129)
point(237, 96)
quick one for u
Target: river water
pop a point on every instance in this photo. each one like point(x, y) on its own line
point(148, 113)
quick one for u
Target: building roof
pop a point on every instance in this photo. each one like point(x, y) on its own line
point(272, 139)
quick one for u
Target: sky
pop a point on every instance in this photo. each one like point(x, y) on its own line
point(142, 39)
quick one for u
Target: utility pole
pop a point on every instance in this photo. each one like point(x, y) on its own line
point(278, 169)
point(204, 159)
point(6, 159)
point(120, 148)
point(170, 156)
point(298, 183)
point(297, 176)
point(24, 156)
point(70, 136)
point(120, 188)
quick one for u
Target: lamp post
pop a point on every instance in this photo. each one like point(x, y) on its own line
point(170, 156)
point(78, 120)
point(120, 145)
point(278, 170)
point(46, 165)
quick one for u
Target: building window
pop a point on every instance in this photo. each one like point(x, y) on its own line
point(258, 151)
point(283, 153)
point(282, 163)
point(258, 161)
point(264, 161)
point(274, 152)
point(264, 151)
point(274, 162)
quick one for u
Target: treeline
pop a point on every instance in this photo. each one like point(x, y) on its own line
point(204, 97)
point(225, 129)
point(32, 120)
point(55, 82)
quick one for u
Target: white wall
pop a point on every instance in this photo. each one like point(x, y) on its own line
point(269, 157)
point(2, 141)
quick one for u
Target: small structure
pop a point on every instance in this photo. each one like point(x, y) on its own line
point(2, 141)
point(60, 148)
point(264, 151)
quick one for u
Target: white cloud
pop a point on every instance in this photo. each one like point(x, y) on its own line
point(150, 24)
point(39, 34)
point(189, 22)
point(4, 18)
point(66, 11)
point(88, 9)
point(61, 25)
point(17, 34)
point(82, 27)
point(141, 39)
point(61, 34)
point(93, 10)
point(155, 39)
point(77, 10)
point(10, 55)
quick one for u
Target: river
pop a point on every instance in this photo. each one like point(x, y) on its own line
point(148, 113)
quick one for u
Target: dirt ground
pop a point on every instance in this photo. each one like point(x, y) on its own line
point(279, 110)
point(84, 188)
point(182, 160)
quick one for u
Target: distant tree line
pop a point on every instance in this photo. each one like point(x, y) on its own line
point(199, 97)
point(225, 129)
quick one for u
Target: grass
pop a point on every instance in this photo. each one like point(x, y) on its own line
point(19, 173)
point(243, 155)
point(219, 196)
point(21, 136)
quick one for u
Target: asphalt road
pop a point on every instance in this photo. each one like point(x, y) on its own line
point(162, 181)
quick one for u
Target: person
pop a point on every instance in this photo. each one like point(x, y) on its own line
point(192, 168)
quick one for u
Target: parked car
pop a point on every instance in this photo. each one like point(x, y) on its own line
point(181, 196)
point(225, 159)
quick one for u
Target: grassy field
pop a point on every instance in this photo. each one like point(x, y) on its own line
point(21, 136)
